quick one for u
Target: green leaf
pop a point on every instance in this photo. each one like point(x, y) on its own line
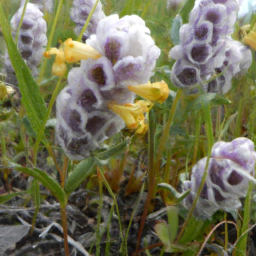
point(197, 103)
point(175, 30)
point(4, 198)
point(162, 231)
point(185, 11)
point(35, 192)
point(170, 189)
point(173, 221)
point(192, 247)
point(31, 97)
point(112, 151)
point(80, 173)
point(193, 229)
point(46, 180)
point(220, 100)
point(28, 127)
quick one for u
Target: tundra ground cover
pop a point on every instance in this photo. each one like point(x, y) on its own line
point(127, 128)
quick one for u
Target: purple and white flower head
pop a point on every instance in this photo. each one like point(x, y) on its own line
point(127, 43)
point(80, 12)
point(128, 57)
point(230, 169)
point(44, 5)
point(206, 48)
point(32, 38)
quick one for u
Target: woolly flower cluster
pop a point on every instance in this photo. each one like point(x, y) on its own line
point(128, 57)
point(80, 12)
point(230, 169)
point(44, 5)
point(206, 48)
point(31, 39)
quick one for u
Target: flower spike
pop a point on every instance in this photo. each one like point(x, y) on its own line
point(158, 91)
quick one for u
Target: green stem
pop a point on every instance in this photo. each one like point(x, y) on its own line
point(167, 128)
point(117, 209)
point(99, 219)
point(41, 132)
point(108, 231)
point(50, 40)
point(210, 139)
point(226, 232)
point(87, 22)
point(239, 119)
point(21, 21)
point(208, 122)
point(198, 128)
point(155, 166)
point(65, 230)
point(241, 244)
point(3, 146)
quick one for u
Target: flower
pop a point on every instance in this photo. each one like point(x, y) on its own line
point(230, 169)
point(44, 5)
point(97, 101)
point(31, 39)
point(80, 12)
point(206, 48)
point(70, 51)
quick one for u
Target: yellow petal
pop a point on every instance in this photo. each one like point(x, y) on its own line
point(250, 39)
point(125, 113)
point(158, 91)
point(75, 51)
point(132, 114)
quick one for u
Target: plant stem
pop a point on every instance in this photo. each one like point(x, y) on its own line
point(87, 22)
point(50, 40)
point(123, 249)
point(65, 230)
point(99, 219)
point(21, 21)
point(210, 139)
point(226, 232)
point(239, 119)
point(198, 128)
point(155, 166)
point(241, 244)
point(41, 132)
point(64, 172)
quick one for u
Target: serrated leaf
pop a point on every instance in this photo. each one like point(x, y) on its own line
point(31, 97)
point(80, 173)
point(175, 30)
point(185, 11)
point(50, 183)
point(112, 151)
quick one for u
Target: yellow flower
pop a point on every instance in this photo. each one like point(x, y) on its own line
point(132, 114)
point(250, 38)
point(158, 91)
point(70, 51)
